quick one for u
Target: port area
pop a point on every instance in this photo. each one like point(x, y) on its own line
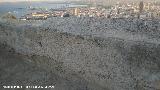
point(36, 14)
point(140, 10)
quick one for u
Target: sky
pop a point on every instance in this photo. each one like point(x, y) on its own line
point(25, 0)
point(69, 0)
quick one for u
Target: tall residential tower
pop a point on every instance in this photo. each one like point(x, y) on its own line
point(141, 6)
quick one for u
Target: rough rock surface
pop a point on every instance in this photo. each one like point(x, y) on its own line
point(105, 57)
point(16, 70)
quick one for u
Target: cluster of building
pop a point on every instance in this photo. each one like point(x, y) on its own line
point(39, 14)
point(142, 10)
point(88, 12)
point(126, 10)
point(67, 12)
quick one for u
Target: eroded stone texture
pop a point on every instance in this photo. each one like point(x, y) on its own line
point(108, 56)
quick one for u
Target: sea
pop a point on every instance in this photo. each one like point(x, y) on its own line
point(21, 8)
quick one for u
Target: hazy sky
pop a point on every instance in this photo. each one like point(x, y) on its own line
point(26, 0)
point(71, 0)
